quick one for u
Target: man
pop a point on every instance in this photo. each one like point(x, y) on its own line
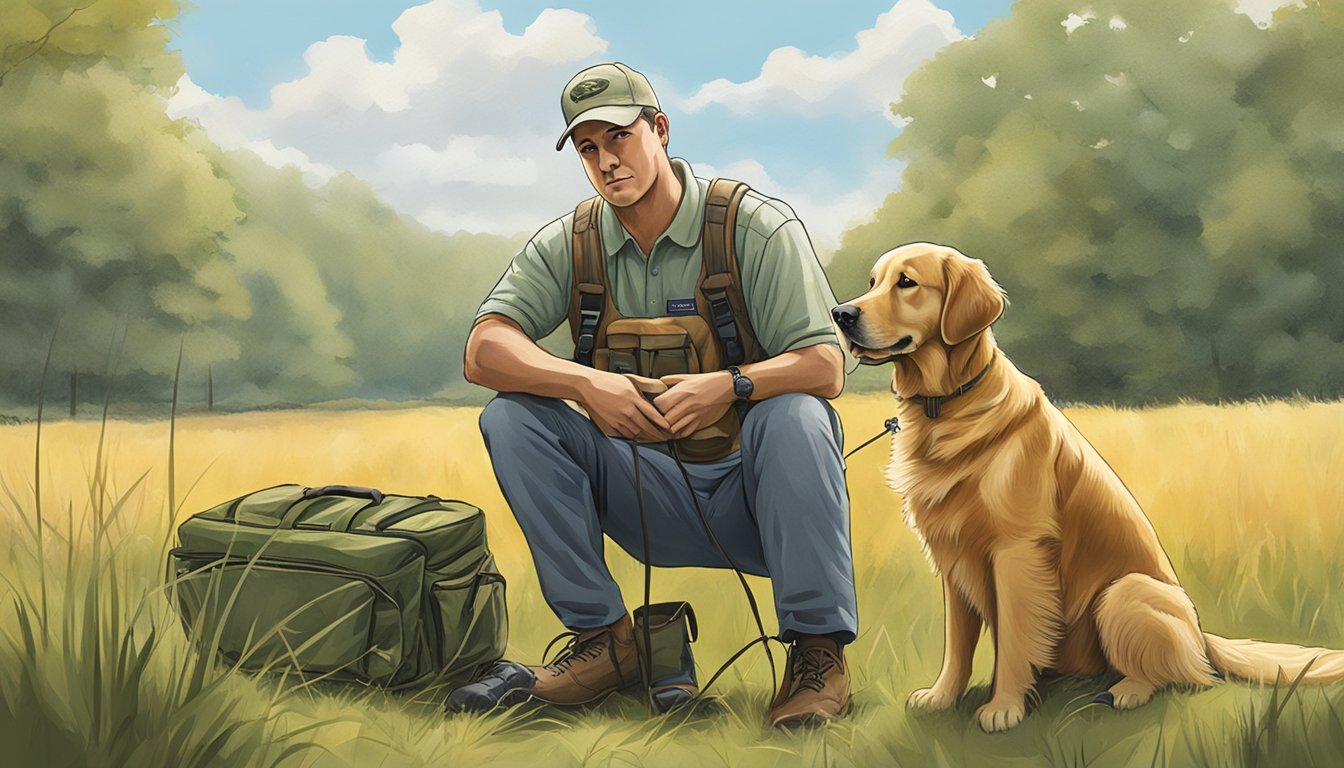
point(779, 506)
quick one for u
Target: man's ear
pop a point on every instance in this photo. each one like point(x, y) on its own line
point(660, 127)
point(972, 301)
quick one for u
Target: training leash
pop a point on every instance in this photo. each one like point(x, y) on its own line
point(890, 426)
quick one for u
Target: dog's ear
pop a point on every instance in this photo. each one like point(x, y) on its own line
point(972, 302)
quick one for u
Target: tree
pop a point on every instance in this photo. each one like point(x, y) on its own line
point(105, 211)
point(134, 233)
point(1122, 169)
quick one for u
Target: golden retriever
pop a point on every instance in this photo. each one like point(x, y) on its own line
point(1030, 530)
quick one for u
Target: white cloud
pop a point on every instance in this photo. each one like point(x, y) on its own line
point(482, 160)
point(863, 80)
point(341, 74)
point(826, 216)
point(314, 173)
point(456, 129)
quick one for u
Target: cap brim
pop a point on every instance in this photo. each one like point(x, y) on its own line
point(615, 114)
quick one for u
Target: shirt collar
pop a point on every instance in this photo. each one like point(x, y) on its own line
point(686, 224)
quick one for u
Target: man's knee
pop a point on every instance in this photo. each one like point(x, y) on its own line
point(789, 418)
point(510, 412)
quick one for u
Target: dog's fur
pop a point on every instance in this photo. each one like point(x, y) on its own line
point(1030, 530)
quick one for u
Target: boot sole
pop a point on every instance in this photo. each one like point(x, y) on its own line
point(813, 719)
point(595, 699)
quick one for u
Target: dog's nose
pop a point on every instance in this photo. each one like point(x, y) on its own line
point(846, 315)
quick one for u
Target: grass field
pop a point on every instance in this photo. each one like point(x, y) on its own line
point(94, 669)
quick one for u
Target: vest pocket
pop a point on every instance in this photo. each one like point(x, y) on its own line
point(663, 356)
point(622, 353)
point(651, 353)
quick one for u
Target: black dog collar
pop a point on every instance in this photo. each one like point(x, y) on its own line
point(933, 404)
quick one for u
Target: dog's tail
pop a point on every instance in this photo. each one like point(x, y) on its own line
point(1271, 662)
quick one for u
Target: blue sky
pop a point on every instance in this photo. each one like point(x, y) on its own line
point(403, 107)
point(274, 34)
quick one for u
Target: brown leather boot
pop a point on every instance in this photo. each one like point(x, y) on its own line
point(816, 684)
point(595, 663)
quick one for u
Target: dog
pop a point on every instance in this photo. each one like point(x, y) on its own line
point(1031, 532)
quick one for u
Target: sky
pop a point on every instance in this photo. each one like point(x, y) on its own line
point(450, 108)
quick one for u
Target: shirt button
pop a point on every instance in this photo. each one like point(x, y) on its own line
point(654, 271)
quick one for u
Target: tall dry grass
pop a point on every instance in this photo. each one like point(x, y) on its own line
point(1246, 499)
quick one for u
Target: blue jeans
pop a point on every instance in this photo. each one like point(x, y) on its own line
point(779, 507)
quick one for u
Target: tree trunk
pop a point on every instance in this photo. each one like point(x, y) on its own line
point(1218, 376)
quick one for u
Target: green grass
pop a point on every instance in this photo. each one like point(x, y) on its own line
point(95, 668)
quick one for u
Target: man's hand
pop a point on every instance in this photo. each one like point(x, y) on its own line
point(694, 401)
point(619, 407)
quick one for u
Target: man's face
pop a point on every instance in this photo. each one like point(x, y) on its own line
point(622, 161)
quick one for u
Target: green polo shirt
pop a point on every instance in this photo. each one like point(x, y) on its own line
point(788, 298)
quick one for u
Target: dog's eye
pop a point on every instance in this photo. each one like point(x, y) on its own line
point(905, 282)
point(871, 281)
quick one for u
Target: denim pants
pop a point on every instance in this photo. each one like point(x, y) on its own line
point(778, 507)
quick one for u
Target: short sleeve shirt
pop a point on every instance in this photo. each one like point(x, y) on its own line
point(788, 298)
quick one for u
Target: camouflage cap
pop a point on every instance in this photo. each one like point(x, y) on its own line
point(613, 93)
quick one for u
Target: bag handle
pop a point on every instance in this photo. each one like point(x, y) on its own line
point(353, 491)
point(296, 510)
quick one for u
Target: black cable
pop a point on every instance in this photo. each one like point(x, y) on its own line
point(890, 425)
point(646, 658)
point(751, 597)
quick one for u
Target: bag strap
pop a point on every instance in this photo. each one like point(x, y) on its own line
point(589, 296)
point(720, 279)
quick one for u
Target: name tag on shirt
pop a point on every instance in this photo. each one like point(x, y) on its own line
point(681, 306)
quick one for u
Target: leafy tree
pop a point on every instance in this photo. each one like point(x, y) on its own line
point(139, 236)
point(1127, 171)
point(105, 211)
point(379, 305)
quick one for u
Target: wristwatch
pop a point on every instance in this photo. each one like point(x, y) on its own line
point(742, 386)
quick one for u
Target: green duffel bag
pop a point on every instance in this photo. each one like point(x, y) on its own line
point(342, 583)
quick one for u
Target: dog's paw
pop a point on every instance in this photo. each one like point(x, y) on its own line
point(1130, 693)
point(931, 699)
point(999, 716)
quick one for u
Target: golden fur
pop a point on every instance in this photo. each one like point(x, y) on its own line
point(1030, 530)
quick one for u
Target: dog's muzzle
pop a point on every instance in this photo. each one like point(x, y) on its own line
point(846, 317)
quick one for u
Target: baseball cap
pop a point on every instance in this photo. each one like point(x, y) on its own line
point(613, 93)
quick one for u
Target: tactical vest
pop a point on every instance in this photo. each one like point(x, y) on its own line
point(718, 335)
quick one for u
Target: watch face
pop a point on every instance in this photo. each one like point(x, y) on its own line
point(742, 386)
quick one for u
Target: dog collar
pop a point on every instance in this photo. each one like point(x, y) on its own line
point(933, 404)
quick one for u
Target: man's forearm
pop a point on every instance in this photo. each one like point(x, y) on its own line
point(500, 356)
point(816, 370)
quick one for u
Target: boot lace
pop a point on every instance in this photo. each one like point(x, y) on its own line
point(580, 647)
point(810, 666)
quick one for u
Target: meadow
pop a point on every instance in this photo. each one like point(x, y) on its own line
point(95, 669)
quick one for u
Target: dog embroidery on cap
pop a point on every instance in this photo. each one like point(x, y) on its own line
point(588, 88)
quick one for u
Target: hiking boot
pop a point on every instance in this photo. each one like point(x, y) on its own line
point(816, 684)
point(593, 664)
